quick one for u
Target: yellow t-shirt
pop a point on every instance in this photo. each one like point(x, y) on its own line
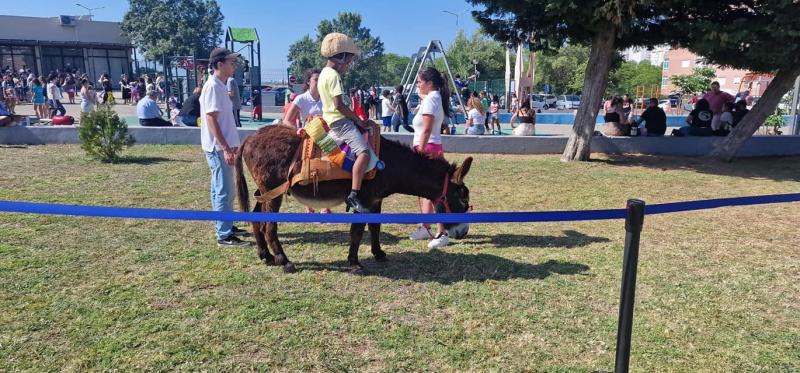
point(329, 85)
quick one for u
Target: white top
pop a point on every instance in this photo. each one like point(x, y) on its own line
point(386, 107)
point(431, 105)
point(53, 93)
point(478, 119)
point(308, 106)
point(214, 98)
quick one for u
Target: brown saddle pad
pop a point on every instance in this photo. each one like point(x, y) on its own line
point(314, 169)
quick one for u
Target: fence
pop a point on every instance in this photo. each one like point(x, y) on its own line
point(633, 213)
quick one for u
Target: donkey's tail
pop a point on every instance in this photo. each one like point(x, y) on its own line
point(241, 183)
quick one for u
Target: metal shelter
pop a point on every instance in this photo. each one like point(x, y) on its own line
point(418, 60)
point(249, 76)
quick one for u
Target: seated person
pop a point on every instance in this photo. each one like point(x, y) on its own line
point(616, 123)
point(738, 112)
point(475, 118)
point(723, 125)
point(191, 109)
point(699, 121)
point(149, 113)
point(527, 120)
point(654, 118)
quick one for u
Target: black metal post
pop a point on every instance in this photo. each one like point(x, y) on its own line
point(633, 227)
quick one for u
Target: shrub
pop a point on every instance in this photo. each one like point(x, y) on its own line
point(775, 121)
point(103, 134)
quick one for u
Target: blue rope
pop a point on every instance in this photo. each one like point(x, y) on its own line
point(481, 217)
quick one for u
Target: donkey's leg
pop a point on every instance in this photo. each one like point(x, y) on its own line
point(261, 242)
point(356, 233)
point(375, 236)
point(272, 237)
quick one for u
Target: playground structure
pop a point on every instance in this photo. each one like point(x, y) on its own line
point(642, 95)
point(427, 54)
point(247, 77)
point(183, 74)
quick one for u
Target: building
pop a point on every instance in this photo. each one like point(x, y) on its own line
point(50, 43)
point(655, 55)
point(683, 62)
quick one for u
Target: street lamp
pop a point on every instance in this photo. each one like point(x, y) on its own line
point(454, 14)
point(89, 9)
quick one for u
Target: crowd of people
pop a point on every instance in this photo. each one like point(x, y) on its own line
point(715, 113)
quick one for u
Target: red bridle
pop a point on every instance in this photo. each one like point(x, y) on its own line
point(443, 197)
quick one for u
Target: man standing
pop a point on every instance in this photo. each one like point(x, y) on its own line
point(716, 99)
point(220, 141)
point(236, 101)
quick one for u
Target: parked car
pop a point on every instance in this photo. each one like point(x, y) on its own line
point(550, 101)
point(537, 103)
point(568, 102)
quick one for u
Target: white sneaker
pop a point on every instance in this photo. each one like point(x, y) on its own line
point(421, 233)
point(438, 242)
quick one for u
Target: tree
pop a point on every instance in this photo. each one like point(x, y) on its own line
point(562, 69)
point(161, 28)
point(605, 26)
point(630, 75)
point(698, 82)
point(394, 65)
point(103, 134)
point(762, 36)
point(489, 54)
point(367, 69)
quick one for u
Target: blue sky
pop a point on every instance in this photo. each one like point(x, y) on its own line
point(403, 26)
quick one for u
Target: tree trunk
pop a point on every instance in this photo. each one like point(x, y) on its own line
point(725, 148)
point(594, 86)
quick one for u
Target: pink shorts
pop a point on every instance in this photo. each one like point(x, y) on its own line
point(436, 150)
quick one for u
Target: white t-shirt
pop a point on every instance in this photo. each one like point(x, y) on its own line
point(478, 119)
point(386, 107)
point(431, 105)
point(308, 106)
point(173, 116)
point(214, 98)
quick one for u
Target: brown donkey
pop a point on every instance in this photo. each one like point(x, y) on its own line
point(269, 153)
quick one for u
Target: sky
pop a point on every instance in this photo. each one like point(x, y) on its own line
point(403, 26)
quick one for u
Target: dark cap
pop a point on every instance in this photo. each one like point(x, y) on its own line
point(220, 54)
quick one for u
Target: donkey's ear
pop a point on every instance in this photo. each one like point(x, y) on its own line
point(458, 175)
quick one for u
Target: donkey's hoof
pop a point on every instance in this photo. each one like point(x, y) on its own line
point(381, 257)
point(289, 268)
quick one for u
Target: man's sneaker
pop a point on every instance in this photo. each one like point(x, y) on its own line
point(422, 233)
point(232, 241)
point(438, 242)
point(240, 232)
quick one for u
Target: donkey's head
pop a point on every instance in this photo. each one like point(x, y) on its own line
point(457, 194)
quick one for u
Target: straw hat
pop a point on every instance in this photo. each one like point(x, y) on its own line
point(335, 43)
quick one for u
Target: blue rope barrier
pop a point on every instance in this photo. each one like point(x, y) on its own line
point(480, 217)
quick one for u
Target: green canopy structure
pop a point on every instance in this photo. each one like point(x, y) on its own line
point(242, 35)
point(249, 37)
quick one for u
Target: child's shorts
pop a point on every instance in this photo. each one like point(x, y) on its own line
point(387, 121)
point(345, 130)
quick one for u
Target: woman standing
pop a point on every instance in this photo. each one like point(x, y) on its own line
point(124, 84)
point(70, 86)
point(432, 111)
point(527, 121)
point(475, 117)
point(307, 105)
point(88, 98)
point(38, 98)
point(108, 91)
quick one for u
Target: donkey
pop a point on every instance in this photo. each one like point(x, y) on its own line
point(269, 154)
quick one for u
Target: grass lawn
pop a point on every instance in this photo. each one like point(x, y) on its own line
point(718, 291)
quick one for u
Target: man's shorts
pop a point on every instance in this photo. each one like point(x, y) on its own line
point(345, 130)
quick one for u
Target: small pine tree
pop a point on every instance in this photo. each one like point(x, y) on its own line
point(103, 134)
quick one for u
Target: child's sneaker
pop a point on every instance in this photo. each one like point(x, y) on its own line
point(422, 233)
point(438, 242)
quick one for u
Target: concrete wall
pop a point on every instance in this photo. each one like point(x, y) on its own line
point(757, 146)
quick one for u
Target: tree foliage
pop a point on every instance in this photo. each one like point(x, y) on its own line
point(489, 55)
point(697, 82)
point(759, 35)
point(173, 27)
point(305, 53)
point(563, 69)
point(394, 65)
point(630, 75)
point(605, 25)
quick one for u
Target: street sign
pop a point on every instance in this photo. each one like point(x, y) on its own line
point(547, 88)
point(292, 79)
